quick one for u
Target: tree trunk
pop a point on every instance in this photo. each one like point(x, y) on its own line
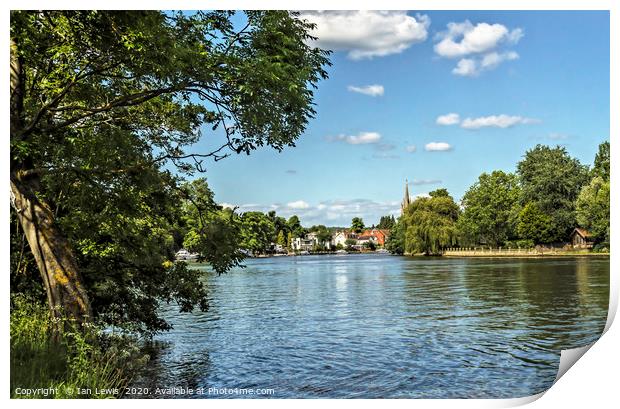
point(66, 295)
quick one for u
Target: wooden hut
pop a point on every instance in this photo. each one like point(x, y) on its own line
point(581, 238)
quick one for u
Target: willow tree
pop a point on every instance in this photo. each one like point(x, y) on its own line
point(104, 104)
point(429, 223)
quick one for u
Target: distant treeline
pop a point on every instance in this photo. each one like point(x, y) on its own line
point(550, 194)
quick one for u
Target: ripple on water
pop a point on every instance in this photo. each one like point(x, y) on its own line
point(381, 326)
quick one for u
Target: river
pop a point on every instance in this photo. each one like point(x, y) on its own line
point(380, 326)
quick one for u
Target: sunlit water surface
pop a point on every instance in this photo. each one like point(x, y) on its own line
point(370, 326)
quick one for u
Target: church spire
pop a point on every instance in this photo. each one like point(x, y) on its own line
point(406, 199)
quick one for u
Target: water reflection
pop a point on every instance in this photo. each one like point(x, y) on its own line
point(382, 326)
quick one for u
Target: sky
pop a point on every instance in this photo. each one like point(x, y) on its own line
point(435, 97)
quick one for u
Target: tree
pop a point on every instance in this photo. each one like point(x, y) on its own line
point(535, 225)
point(430, 223)
point(357, 224)
point(386, 222)
point(256, 231)
point(593, 207)
point(488, 208)
point(601, 162)
point(213, 232)
point(294, 226)
point(552, 180)
point(102, 101)
point(281, 240)
point(395, 242)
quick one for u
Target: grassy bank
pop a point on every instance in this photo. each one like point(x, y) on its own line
point(78, 364)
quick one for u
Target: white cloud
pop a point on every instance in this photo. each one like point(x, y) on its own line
point(361, 138)
point(498, 121)
point(557, 136)
point(374, 90)
point(476, 39)
point(479, 43)
point(227, 205)
point(469, 67)
point(367, 34)
point(466, 67)
point(410, 148)
point(299, 204)
point(437, 147)
point(448, 119)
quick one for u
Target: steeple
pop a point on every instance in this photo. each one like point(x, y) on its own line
point(406, 199)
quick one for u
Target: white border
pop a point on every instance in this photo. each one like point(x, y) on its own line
point(592, 381)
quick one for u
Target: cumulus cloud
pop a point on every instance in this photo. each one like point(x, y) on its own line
point(448, 119)
point(374, 90)
point(419, 182)
point(410, 148)
point(437, 147)
point(299, 204)
point(367, 34)
point(469, 67)
point(477, 46)
point(361, 138)
point(497, 121)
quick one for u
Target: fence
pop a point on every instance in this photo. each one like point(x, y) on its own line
point(501, 251)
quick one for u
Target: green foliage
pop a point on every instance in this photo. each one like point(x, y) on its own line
point(489, 206)
point(601, 162)
point(212, 232)
point(370, 245)
point(534, 225)
point(386, 222)
point(593, 209)
point(552, 180)
point(112, 100)
point(256, 230)
point(84, 358)
point(357, 224)
point(430, 223)
point(395, 242)
point(281, 240)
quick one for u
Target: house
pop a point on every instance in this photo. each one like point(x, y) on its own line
point(302, 244)
point(581, 238)
point(308, 243)
point(379, 236)
point(342, 236)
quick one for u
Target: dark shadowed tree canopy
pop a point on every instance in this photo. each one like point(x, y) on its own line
point(103, 103)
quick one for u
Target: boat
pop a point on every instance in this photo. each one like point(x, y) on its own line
point(185, 255)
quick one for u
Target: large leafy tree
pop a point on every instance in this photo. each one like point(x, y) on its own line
point(357, 224)
point(102, 103)
point(534, 225)
point(430, 223)
point(593, 207)
point(551, 179)
point(601, 162)
point(489, 206)
point(256, 232)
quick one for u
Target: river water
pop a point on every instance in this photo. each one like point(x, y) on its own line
point(380, 326)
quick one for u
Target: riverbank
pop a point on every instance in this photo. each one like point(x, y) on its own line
point(75, 364)
point(522, 253)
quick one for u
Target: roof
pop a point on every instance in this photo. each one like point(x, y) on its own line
point(582, 232)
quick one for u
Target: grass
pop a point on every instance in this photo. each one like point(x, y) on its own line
point(77, 364)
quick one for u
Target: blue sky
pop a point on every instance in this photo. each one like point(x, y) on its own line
point(453, 94)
